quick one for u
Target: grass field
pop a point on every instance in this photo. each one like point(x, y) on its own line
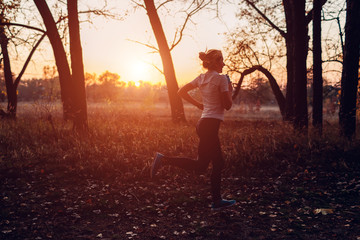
point(58, 185)
point(120, 132)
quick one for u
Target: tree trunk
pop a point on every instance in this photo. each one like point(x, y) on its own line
point(177, 108)
point(297, 47)
point(60, 58)
point(77, 66)
point(349, 78)
point(273, 84)
point(317, 72)
point(289, 105)
point(10, 87)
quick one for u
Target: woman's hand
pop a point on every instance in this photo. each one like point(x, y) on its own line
point(226, 98)
point(200, 106)
point(184, 93)
point(230, 87)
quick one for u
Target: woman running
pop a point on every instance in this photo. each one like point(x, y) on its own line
point(216, 92)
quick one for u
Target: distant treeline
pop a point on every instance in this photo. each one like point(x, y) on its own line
point(49, 90)
point(107, 87)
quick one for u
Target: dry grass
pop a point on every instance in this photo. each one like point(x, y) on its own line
point(56, 184)
point(123, 138)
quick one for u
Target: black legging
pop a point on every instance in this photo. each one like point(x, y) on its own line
point(209, 151)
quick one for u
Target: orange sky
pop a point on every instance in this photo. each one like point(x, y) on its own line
point(111, 42)
point(107, 45)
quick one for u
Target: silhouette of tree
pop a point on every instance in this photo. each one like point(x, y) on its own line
point(72, 87)
point(297, 49)
point(7, 12)
point(72, 84)
point(108, 86)
point(350, 73)
point(60, 57)
point(293, 28)
point(317, 68)
point(249, 52)
point(77, 66)
point(177, 109)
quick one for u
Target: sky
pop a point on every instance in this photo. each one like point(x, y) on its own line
point(109, 45)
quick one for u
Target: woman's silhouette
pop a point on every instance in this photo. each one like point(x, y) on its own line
point(216, 93)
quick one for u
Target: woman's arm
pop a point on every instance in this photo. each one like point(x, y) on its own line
point(184, 93)
point(226, 98)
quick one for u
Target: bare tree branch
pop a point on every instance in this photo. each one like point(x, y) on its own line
point(341, 34)
point(274, 86)
point(282, 33)
point(101, 12)
point(179, 33)
point(144, 44)
point(163, 4)
point(22, 25)
point(17, 80)
point(157, 68)
point(200, 5)
point(267, 50)
point(333, 70)
point(333, 60)
point(138, 4)
point(309, 16)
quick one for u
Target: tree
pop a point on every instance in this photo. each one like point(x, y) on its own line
point(349, 79)
point(177, 108)
point(77, 66)
point(10, 89)
point(243, 59)
point(273, 84)
point(109, 79)
point(296, 41)
point(10, 83)
point(60, 57)
point(108, 86)
point(72, 85)
point(297, 48)
point(317, 60)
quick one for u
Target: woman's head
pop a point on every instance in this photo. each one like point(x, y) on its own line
point(212, 60)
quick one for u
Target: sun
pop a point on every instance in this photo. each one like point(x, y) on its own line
point(140, 72)
point(137, 84)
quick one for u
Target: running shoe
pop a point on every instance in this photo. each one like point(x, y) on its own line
point(222, 204)
point(156, 164)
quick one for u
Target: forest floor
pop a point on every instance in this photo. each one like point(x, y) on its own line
point(55, 201)
point(54, 186)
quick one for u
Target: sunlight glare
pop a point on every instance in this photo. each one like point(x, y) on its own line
point(137, 84)
point(140, 72)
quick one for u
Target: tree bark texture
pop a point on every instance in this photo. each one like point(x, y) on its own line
point(298, 46)
point(60, 57)
point(9, 83)
point(349, 78)
point(177, 108)
point(289, 105)
point(317, 68)
point(78, 79)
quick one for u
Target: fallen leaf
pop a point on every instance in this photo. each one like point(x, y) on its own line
point(323, 211)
